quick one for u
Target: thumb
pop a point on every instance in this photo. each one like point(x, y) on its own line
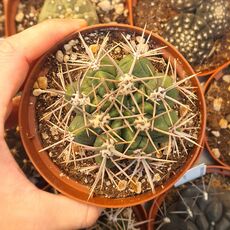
point(64, 213)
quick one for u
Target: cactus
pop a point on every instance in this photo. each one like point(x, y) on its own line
point(123, 114)
point(196, 205)
point(191, 35)
point(83, 9)
point(185, 5)
point(216, 14)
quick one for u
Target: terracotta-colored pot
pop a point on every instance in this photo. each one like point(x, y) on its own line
point(204, 73)
point(11, 8)
point(43, 163)
point(158, 202)
point(216, 76)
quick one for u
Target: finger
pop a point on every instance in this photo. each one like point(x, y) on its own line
point(65, 213)
point(18, 51)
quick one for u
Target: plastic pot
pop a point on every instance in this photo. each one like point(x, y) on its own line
point(219, 73)
point(43, 163)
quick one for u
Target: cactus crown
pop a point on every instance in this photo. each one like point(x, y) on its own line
point(83, 9)
point(124, 115)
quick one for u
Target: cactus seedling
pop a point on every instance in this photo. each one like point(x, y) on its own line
point(83, 9)
point(216, 14)
point(191, 36)
point(117, 117)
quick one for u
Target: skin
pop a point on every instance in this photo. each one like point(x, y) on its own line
point(22, 205)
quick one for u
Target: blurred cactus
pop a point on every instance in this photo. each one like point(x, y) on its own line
point(83, 9)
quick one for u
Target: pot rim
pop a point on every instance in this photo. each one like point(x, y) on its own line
point(215, 76)
point(154, 208)
point(47, 168)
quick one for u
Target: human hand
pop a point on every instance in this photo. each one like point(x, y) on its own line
point(22, 205)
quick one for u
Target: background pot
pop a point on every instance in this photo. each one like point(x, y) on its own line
point(219, 73)
point(204, 73)
point(11, 8)
point(158, 202)
point(51, 173)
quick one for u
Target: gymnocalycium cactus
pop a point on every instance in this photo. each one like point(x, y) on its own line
point(196, 205)
point(121, 118)
point(83, 9)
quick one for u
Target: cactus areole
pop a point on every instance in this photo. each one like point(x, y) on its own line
point(113, 114)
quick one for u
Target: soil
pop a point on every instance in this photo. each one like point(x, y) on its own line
point(27, 15)
point(218, 117)
point(159, 12)
point(217, 187)
point(2, 20)
point(50, 135)
point(13, 140)
point(28, 12)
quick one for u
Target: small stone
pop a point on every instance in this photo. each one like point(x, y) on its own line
point(217, 104)
point(54, 131)
point(226, 78)
point(228, 117)
point(105, 5)
point(140, 39)
point(216, 152)
point(67, 47)
point(216, 133)
point(37, 92)
point(19, 17)
point(94, 48)
point(36, 86)
point(157, 177)
point(117, 50)
point(119, 9)
point(122, 184)
point(135, 186)
point(66, 58)
point(108, 183)
point(59, 56)
point(42, 82)
point(45, 136)
point(223, 123)
point(183, 111)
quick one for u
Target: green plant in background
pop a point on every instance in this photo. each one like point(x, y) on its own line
point(123, 114)
point(83, 9)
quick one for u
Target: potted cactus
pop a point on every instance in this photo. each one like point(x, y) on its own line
point(114, 114)
point(22, 14)
point(122, 218)
point(199, 204)
point(217, 98)
point(197, 28)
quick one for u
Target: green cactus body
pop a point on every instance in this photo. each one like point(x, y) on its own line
point(83, 9)
point(93, 87)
